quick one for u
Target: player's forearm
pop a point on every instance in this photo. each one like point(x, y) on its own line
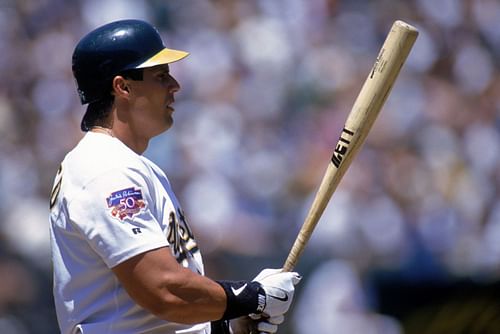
point(190, 298)
point(155, 281)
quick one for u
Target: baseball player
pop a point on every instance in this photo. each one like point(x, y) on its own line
point(125, 259)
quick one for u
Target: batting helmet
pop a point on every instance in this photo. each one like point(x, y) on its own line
point(113, 48)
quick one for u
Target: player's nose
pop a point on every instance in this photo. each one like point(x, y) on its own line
point(173, 85)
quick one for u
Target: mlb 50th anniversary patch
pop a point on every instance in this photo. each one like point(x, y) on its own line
point(126, 203)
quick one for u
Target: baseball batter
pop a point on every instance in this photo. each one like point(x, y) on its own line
point(125, 259)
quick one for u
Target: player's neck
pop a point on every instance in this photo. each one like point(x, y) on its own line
point(104, 130)
point(132, 139)
point(135, 143)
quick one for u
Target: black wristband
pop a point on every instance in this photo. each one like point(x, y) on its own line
point(243, 298)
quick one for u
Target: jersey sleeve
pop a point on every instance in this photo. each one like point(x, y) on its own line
point(116, 214)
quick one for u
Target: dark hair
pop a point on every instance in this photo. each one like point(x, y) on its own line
point(98, 111)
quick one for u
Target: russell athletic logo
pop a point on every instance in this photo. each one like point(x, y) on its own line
point(125, 203)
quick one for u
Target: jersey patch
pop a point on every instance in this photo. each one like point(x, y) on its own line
point(125, 203)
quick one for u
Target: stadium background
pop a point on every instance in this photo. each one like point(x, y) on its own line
point(411, 240)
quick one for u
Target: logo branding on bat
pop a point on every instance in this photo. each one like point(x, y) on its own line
point(377, 62)
point(342, 146)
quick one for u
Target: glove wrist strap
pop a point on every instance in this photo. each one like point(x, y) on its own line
point(243, 298)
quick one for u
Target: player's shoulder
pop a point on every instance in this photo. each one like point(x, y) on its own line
point(98, 154)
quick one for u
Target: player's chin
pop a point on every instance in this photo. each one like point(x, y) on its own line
point(169, 121)
point(160, 126)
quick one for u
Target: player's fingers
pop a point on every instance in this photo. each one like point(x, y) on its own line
point(276, 320)
point(266, 327)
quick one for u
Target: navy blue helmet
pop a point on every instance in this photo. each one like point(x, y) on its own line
point(114, 48)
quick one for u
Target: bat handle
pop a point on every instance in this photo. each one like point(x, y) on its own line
point(289, 263)
point(297, 248)
point(327, 187)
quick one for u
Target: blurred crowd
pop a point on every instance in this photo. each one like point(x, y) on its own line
point(264, 96)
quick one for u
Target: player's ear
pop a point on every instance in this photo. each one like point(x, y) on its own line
point(120, 87)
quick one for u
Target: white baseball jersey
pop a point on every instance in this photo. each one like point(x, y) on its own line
point(109, 204)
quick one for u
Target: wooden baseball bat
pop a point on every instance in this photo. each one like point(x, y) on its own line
point(370, 100)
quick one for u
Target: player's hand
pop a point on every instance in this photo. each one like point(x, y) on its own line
point(269, 325)
point(279, 288)
point(243, 325)
point(255, 325)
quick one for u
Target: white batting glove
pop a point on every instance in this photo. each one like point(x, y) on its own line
point(279, 288)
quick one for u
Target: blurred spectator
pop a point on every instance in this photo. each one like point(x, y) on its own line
point(264, 96)
point(334, 298)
